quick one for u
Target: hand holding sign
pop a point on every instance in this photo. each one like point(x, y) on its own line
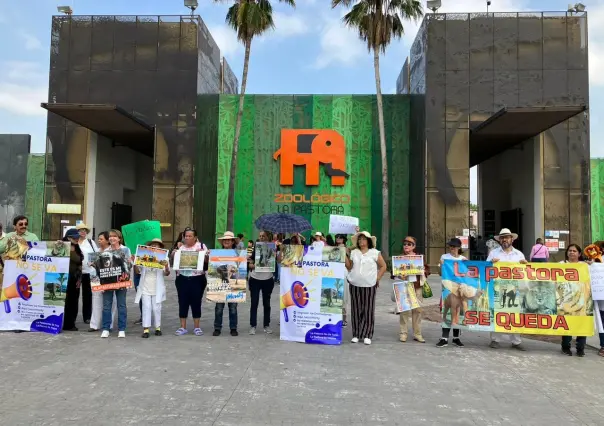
point(347, 225)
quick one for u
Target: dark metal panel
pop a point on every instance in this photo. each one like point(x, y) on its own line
point(124, 44)
point(530, 41)
point(80, 42)
point(147, 34)
point(481, 41)
point(14, 150)
point(554, 41)
point(102, 43)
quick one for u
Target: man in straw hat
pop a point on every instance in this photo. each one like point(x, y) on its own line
point(506, 253)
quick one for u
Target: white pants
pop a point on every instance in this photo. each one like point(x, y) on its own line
point(514, 338)
point(96, 321)
point(148, 306)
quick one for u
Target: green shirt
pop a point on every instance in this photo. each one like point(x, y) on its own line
point(27, 236)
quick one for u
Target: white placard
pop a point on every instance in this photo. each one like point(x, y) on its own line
point(343, 224)
point(189, 266)
point(561, 245)
point(466, 232)
point(596, 272)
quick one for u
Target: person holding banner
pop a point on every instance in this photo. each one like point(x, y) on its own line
point(454, 254)
point(573, 254)
point(506, 253)
point(409, 245)
point(228, 242)
point(115, 243)
point(367, 267)
point(260, 282)
point(190, 286)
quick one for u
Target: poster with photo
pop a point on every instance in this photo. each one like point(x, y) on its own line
point(227, 276)
point(266, 257)
point(112, 270)
point(151, 257)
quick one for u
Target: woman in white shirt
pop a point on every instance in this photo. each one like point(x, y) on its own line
point(152, 292)
point(87, 246)
point(454, 254)
point(366, 266)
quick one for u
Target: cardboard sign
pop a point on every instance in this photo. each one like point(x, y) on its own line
point(346, 225)
point(140, 233)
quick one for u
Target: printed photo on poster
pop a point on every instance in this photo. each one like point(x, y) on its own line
point(112, 270)
point(332, 295)
point(334, 254)
point(151, 257)
point(292, 254)
point(227, 276)
point(403, 266)
point(266, 257)
point(33, 292)
point(404, 296)
point(189, 260)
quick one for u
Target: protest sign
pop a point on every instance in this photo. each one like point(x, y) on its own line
point(140, 233)
point(34, 289)
point(112, 270)
point(343, 224)
point(546, 299)
point(312, 298)
point(404, 296)
point(596, 272)
point(151, 257)
point(408, 267)
point(227, 276)
point(185, 260)
point(266, 257)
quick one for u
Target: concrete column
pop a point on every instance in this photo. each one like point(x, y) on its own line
point(90, 191)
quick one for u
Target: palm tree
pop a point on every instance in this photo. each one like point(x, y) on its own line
point(62, 278)
point(378, 22)
point(249, 18)
point(339, 284)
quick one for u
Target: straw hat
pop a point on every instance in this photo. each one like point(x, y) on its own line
point(367, 235)
point(505, 232)
point(157, 241)
point(228, 235)
point(82, 225)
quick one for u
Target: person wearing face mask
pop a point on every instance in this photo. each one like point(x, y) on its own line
point(506, 253)
point(409, 249)
point(115, 243)
point(573, 254)
point(87, 246)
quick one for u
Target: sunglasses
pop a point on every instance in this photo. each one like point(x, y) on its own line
point(22, 224)
point(408, 243)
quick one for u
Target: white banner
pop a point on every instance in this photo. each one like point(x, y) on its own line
point(312, 298)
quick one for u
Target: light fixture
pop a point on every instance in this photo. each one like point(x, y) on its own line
point(580, 7)
point(191, 4)
point(67, 10)
point(434, 5)
point(488, 4)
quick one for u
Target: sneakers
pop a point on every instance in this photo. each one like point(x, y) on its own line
point(442, 343)
point(252, 331)
point(145, 334)
point(567, 351)
point(121, 334)
point(216, 333)
point(105, 334)
point(402, 337)
point(355, 340)
point(494, 345)
point(234, 332)
point(157, 332)
point(367, 341)
point(458, 343)
point(268, 330)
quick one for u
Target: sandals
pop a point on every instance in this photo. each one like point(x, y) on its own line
point(181, 331)
point(601, 352)
point(198, 332)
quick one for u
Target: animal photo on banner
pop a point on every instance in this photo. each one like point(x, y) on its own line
point(266, 257)
point(55, 288)
point(332, 295)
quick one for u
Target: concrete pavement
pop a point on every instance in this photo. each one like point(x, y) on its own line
point(77, 378)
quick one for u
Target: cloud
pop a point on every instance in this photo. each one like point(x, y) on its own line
point(288, 25)
point(340, 45)
point(22, 99)
point(226, 39)
point(23, 70)
point(31, 41)
point(596, 45)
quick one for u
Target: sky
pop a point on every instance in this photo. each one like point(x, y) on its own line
point(310, 51)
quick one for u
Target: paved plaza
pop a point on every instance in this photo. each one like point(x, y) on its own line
point(77, 378)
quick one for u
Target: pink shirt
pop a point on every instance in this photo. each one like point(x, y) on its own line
point(539, 251)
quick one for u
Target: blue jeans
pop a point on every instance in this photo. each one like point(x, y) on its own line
point(122, 315)
point(219, 309)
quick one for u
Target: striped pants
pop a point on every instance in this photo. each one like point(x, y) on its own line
point(362, 310)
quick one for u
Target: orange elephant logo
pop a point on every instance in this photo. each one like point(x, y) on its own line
point(312, 148)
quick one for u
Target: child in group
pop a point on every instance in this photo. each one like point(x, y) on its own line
point(152, 291)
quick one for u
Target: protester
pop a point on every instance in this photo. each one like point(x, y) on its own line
point(455, 255)
point(341, 241)
point(87, 246)
point(506, 253)
point(318, 237)
point(190, 286)
point(151, 292)
point(227, 242)
point(409, 246)
point(366, 266)
point(96, 319)
point(573, 254)
point(20, 223)
point(115, 243)
point(539, 253)
point(240, 242)
point(250, 248)
point(329, 241)
point(260, 282)
point(72, 294)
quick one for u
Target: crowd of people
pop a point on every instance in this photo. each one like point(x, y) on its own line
point(364, 263)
